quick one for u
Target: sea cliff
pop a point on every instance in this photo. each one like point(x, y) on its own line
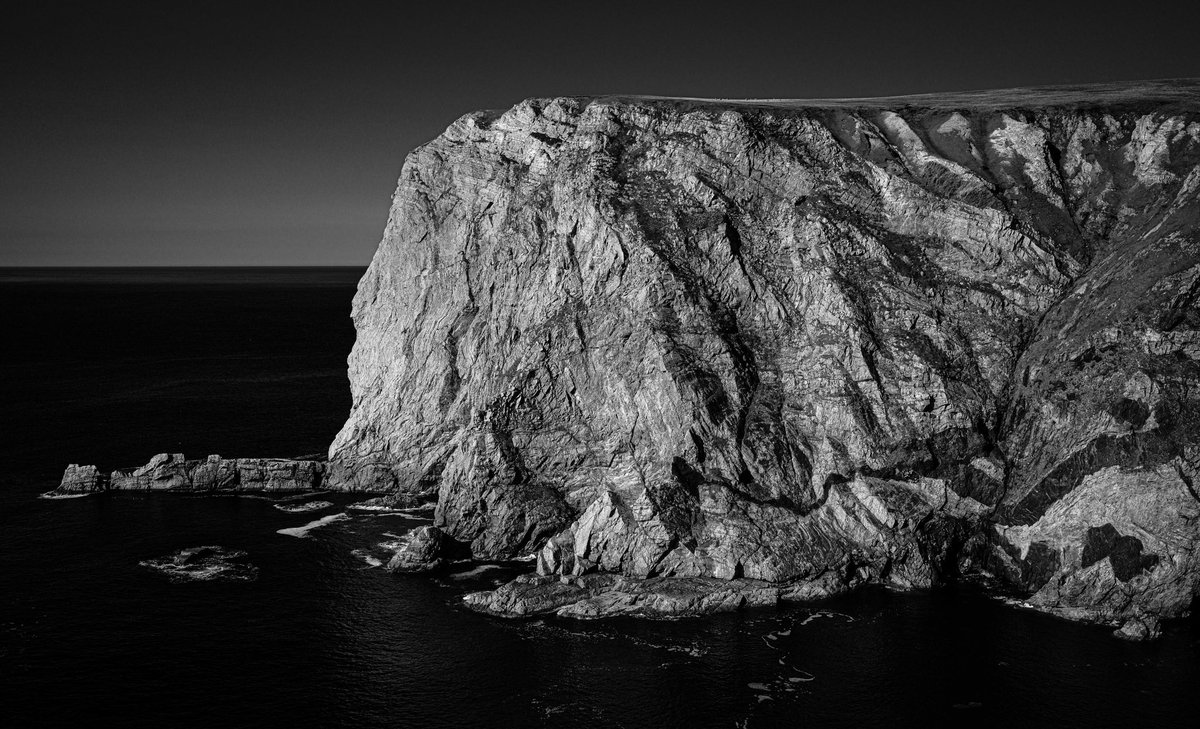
point(801, 344)
point(693, 354)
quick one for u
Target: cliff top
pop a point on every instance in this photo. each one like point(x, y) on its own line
point(1180, 94)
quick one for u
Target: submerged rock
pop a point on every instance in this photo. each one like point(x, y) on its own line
point(894, 340)
point(204, 563)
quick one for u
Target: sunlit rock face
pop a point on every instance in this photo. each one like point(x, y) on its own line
point(888, 340)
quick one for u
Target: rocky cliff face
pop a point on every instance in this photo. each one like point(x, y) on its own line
point(801, 343)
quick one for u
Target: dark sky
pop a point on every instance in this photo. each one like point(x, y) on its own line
point(210, 133)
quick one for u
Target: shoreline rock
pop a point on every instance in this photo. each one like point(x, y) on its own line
point(173, 472)
point(605, 595)
point(425, 549)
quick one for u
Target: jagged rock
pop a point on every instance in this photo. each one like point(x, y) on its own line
point(173, 472)
point(1121, 543)
point(277, 474)
point(423, 551)
point(215, 474)
point(1139, 628)
point(165, 471)
point(82, 479)
point(888, 340)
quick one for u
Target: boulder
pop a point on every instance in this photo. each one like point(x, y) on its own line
point(424, 551)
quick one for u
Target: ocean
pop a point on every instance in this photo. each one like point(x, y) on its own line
point(110, 366)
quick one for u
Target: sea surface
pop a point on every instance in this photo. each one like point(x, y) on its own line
point(111, 366)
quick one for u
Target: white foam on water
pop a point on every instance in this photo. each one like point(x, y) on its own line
point(366, 557)
point(217, 566)
point(364, 506)
point(776, 635)
point(422, 509)
point(53, 496)
point(481, 569)
point(303, 531)
point(306, 506)
point(825, 614)
point(301, 497)
point(415, 512)
point(383, 509)
point(394, 545)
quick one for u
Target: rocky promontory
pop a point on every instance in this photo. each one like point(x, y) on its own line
point(173, 472)
point(797, 346)
point(689, 355)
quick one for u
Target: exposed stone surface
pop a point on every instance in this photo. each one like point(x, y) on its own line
point(173, 472)
point(1120, 544)
point(1143, 627)
point(888, 340)
point(422, 551)
point(82, 479)
point(603, 594)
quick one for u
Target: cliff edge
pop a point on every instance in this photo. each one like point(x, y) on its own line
point(798, 346)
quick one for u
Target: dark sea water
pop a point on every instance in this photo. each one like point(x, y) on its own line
point(110, 367)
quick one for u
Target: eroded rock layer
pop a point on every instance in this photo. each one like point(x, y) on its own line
point(173, 472)
point(800, 343)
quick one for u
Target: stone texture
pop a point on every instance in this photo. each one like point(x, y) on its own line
point(1139, 628)
point(599, 595)
point(888, 340)
point(173, 472)
point(82, 479)
point(423, 550)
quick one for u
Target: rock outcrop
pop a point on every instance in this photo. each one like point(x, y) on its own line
point(423, 550)
point(81, 479)
point(173, 472)
point(800, 343)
